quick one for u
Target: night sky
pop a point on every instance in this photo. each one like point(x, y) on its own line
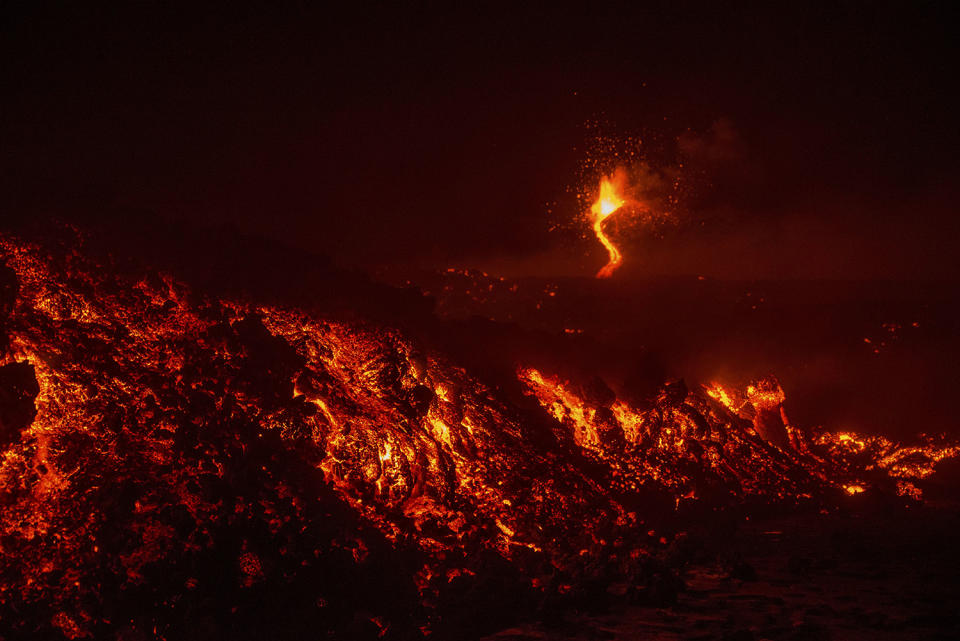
point(410, 135)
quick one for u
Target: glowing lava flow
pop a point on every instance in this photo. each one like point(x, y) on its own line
point(608, 202)
point(161, 449)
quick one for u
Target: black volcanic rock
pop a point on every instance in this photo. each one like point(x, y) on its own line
point(9, 285)
point(18, 389)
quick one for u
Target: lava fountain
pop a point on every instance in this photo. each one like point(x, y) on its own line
point(609, 201)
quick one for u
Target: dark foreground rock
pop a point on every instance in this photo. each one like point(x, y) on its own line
point(870, 576)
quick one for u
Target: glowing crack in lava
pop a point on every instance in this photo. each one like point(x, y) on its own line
point(609, 201)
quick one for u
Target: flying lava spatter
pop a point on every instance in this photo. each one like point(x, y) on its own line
point(609, 201)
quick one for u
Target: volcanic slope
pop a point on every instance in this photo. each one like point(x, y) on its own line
point(177, 465)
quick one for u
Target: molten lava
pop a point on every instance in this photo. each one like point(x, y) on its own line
point(742, 443)
point(168, 458)
point(609, 201)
